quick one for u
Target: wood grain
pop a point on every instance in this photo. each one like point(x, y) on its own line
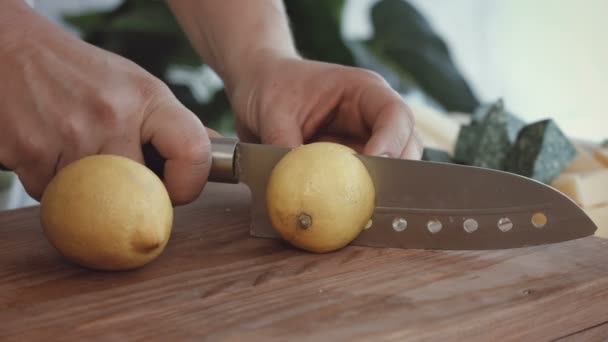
point(595, 333)
point(215, 282)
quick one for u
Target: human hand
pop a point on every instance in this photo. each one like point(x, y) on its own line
point(289, 101)
point(63, 99)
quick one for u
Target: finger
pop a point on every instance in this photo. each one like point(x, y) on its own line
point(246, 135)
point(129, 147)
point(36, 176)
point(414, 148)
point(391, 132)
point(354, 143)
point(181, 139)
point(282, 132)
point(73, 152)
point(389, 117)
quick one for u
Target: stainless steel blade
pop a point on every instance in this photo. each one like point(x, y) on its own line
point(449, 206)
point(427, 205)
point(253, 165)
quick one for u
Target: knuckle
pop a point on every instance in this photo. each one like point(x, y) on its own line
point(151, 88)
point(372, 76)
point(155, 95)
point(115, 108)
point(401, 112)
point(71, 133)
point(409, 115)
point(401, 140)
point(194, 149)
point(107, 109)
point(31, 149)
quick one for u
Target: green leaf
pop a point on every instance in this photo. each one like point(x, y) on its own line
point(403, 36)
point(397, 78)
point(131, 16)
point(145, 32)
point(316, 27)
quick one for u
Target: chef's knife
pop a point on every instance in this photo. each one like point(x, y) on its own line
point(425, 205)
point(420, 204)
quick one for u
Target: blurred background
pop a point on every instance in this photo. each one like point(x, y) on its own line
point(544, 58)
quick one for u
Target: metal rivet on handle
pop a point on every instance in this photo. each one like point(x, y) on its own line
point(399, 224)
point(470, 225)
point(505, 224)
point(434, 226)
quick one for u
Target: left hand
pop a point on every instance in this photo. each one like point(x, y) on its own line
point(289, 101)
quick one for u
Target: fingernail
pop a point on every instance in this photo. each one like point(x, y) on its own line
point(384, 155)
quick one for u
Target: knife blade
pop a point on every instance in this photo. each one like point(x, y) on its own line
point(425, 205)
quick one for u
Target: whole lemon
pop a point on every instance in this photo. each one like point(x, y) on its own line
point(107, 212)
point(320, 196)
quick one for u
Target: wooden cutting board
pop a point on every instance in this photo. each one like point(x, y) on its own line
point(216, 282)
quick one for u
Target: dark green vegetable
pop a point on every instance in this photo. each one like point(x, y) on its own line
point(481, 112)
point(435, 155)
point(488, 139)
point(541, 152)
point(466, 142)
point(316, 30)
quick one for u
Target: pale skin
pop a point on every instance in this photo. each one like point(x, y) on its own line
point(63, 99)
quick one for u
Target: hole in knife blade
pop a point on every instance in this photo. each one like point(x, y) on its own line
point(505, 224)
point(470, 225)
point(434, 226)
point(399, 224)
point(539, 220)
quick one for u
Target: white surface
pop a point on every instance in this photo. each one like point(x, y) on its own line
point(546, 58)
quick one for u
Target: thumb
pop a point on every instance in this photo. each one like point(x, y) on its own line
point(181, 139)
point(286, 133)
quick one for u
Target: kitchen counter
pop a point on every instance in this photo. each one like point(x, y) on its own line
point(215, 282)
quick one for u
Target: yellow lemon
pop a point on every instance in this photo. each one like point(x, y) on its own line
point(320, 196)
point(107, 212)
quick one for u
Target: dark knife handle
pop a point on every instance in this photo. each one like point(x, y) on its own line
point(153, 160)
point(223, 151)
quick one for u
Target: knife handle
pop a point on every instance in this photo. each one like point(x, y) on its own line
point(222, 160)
point(223, 152)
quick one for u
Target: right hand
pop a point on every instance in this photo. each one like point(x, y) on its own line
point(62, 99)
